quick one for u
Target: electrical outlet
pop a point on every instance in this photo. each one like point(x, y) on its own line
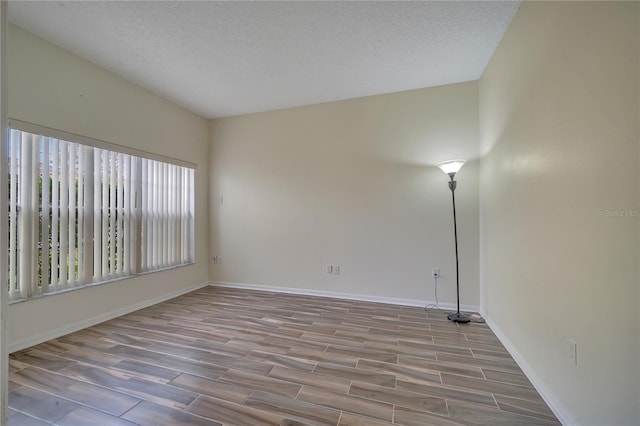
point(572, 348)
point(336, 269)
point(435, 272)
point(328, 269)
point(220, 260)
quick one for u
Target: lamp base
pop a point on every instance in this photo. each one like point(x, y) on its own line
point(456, 317)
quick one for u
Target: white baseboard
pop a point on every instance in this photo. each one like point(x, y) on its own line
point(561, 412)
point(58, 332)
point(348, 296)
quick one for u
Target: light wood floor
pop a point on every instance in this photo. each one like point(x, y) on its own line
point(238, 357)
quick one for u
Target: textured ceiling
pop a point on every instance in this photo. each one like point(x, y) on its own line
point(227, 58)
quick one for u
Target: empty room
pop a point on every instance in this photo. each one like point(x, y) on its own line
point(320, 213)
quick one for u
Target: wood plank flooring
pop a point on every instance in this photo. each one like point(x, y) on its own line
point(238, 357)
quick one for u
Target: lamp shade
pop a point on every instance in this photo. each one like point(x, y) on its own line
point(451, 167)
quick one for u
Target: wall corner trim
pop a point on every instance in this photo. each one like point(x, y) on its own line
point(339, 295)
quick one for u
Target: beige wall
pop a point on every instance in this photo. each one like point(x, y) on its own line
point(559, 139)
point(51, 87)
point(350, 183)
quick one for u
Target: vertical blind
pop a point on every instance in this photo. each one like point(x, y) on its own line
point(79, 215)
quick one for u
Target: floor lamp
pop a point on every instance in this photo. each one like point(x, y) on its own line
point(450, 168)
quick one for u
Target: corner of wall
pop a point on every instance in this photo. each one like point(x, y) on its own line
point(564, 84)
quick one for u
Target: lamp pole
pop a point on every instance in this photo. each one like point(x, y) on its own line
point(450, 168)
point(457, 317)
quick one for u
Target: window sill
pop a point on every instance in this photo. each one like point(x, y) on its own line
point(112, 280)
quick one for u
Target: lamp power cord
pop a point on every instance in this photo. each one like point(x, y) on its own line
point(433, 306)
point(430, 307)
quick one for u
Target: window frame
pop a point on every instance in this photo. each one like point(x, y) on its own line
point(135, 220)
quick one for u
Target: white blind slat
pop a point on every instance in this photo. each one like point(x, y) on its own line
point(155, 193)
point(72, 205)
point(88, 216)
point(97, 215)
point(104, 213)
point(55, 212)
point(25, 217)
point(80, 262)
point(14, 142)
point(120, 213)
point(126, 217)
point(45, 230)
point(112, 212)
point(64, 212)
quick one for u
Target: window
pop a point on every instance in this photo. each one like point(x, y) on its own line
point(80, 214)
